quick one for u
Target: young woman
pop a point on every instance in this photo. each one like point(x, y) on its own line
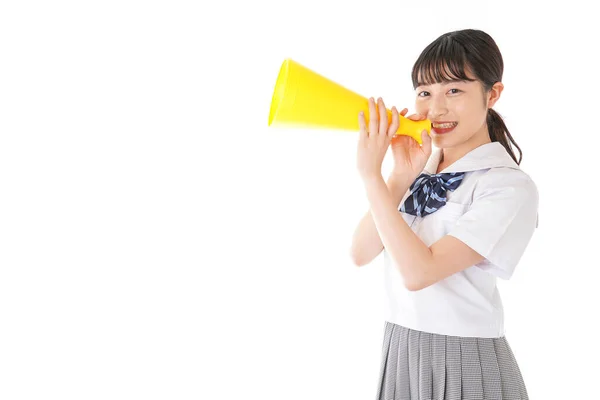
point(456, 213)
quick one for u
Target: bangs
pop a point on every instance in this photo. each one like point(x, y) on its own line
point(443, 61)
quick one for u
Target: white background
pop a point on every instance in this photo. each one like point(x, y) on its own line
point(159, 241)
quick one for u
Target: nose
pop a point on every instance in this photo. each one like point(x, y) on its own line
point(437, 107)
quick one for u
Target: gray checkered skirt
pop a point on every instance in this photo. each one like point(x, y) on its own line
point(418, 365)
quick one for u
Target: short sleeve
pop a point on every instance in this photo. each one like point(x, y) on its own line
point(501, 219)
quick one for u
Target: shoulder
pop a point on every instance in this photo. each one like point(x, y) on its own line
point(506, 182)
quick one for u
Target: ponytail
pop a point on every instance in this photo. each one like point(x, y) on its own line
point(499, 133)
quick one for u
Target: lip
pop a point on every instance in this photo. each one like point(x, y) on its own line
point(441, 131)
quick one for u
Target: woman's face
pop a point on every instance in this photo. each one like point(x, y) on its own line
point(461, 106)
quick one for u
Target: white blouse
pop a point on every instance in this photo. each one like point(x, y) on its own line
point(494, 211)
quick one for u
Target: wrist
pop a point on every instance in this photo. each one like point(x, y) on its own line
point(399, 179)
point(398, 184)
point(370, 178)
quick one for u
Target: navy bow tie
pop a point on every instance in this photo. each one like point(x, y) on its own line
point(428, 192)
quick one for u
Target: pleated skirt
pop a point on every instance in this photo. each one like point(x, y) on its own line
point(418, 365)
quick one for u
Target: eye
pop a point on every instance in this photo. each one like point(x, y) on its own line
point(421, 94)
point(457, 90)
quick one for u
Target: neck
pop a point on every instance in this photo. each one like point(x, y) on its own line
point(452, 154)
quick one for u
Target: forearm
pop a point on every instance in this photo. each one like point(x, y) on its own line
point(398, 185)
point(406, 249)
point(366, 243)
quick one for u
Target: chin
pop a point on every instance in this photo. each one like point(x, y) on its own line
point(441, 141)
point(446, 141)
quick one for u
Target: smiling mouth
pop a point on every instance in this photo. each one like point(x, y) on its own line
point(446, 125)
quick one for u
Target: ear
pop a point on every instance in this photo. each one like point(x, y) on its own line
point(494, 94)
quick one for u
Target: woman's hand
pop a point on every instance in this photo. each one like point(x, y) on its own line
point(375, 139)
point(409, 156)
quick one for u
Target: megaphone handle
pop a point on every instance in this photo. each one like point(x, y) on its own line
point(413, 128)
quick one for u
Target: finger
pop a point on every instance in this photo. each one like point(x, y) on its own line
point(373, 120)
point(426, 143)
point(395, 123)
point(362, 124)
point(403, 112)
point(383, 119)
point(416, 117)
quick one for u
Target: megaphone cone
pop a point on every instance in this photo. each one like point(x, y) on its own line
point(303, 98)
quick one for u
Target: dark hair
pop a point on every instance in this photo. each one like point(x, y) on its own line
point(448, 57)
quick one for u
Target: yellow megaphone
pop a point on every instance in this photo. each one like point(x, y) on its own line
point(303, 98)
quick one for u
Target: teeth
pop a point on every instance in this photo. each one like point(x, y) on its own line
point(447, 125)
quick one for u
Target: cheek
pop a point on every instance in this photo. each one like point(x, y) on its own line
point(420, 108)
point(460, 109)
point(469, 114)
